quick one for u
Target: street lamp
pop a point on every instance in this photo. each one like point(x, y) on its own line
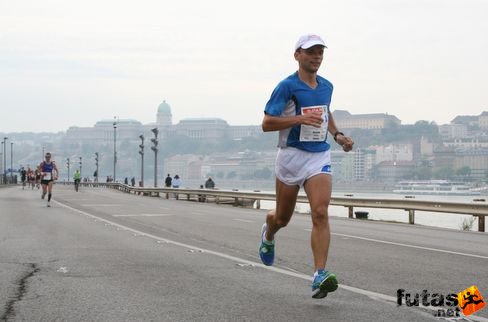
point(155, 149)
point(141, 152)
point(11, 161)
point(96, 164)
point(115, 146)
point(5, 159)
point(67, 164)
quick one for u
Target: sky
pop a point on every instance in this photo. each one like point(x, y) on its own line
point(65, 63)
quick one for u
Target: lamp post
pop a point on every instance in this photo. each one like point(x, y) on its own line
point(115, 146)
point(80, 166)
point(141, 152)
point(96, 165)
point(1, 165)
point(155, 149)
point(11, 161)
point(67, 165)
point(4, 159)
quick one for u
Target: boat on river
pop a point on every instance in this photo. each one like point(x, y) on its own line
point(435, 187)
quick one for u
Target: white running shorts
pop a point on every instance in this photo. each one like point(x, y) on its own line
point(294, 166)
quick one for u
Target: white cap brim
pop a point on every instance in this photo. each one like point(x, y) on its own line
point(312, 43)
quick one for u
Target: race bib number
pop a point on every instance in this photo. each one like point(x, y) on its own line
point(47, 176)
point(309, 133)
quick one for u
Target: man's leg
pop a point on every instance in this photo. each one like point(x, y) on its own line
point(276, 219)
point(49, 194)
point(50, 187)
point(44, 190)
point(286, 197)
point(318, 189)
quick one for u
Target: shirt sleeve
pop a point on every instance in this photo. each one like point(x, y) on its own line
point(278, 100)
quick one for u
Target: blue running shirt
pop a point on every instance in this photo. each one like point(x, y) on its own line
point(47, 170)
point(293, 97)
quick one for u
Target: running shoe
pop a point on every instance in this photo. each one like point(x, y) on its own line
point(266, 249)
point(323, 283)
point(49, 203)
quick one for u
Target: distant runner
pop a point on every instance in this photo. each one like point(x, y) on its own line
point(31, 178)
point(77, 179)
point(37, 174)
point(23, 177)
point(49, 173)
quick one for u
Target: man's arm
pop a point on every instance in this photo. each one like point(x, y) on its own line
point(345, 141)
point(56, 174)
point(276, 123)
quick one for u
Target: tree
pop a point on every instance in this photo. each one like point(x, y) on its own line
point(421, 173)
point(464, 172)
point(445, 173)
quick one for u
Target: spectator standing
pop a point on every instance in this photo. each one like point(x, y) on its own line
point(209, 184)
point(168, 181)
point(176, 182)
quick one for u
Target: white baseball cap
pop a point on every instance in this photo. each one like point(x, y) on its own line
point(309, 40)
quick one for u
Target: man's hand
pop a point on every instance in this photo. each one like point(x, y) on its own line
point(346, 142)
point(314, 119)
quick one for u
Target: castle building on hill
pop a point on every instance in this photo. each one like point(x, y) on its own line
point(364, 121)
point(128, 129)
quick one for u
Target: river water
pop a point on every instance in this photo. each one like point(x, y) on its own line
point(435, 219)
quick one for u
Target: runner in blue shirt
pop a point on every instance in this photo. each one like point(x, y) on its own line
point(299, 110)
point(49, 173)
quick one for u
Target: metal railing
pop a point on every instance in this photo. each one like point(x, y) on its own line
point(479, 210)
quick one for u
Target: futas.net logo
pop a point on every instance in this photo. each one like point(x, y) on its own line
point(466, 302)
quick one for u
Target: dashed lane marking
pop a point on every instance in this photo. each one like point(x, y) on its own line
point(407, 245)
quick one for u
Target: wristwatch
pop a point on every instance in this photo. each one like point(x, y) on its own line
point(336, 134)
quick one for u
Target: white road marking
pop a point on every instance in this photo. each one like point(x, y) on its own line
point(101, 204)
point(407, 245)
point(413, 246)
point(243, 220)
point(76, 199)
point(372, 295)
point(143, 215)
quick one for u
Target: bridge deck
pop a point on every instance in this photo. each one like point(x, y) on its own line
point(105, 255)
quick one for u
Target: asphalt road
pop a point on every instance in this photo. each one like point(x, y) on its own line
point(102, 255)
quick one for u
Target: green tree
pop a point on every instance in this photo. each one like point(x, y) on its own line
point(464, 171)
point(421, 172)
point(445, 173)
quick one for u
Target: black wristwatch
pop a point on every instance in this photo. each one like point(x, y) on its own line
point(336, 134)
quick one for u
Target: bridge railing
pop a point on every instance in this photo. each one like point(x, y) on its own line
point(249, 198)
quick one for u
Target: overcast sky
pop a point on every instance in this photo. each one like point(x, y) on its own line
point(64, 63)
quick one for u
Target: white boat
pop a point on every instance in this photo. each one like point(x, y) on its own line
point(434, 187)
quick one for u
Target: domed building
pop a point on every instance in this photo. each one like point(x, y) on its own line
point(164, 117)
